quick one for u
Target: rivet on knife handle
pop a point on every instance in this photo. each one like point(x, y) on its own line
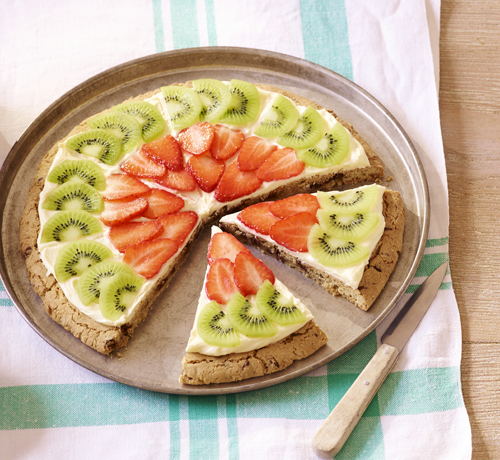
point(337, 427)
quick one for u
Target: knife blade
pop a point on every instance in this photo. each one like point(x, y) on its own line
point(337, 427)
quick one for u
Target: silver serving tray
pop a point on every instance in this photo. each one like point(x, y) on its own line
point(153, 357)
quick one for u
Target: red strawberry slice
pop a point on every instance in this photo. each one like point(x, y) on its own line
point(250, 273)
point(119, 186)
point(148, 257)
point(295, 204)
point(206, 171)
point(197, 138)
point(282, 164)
point(162, 202)
point(235, 184)
point(293, 232)
point(141, 166)
point(166, 151)
point(220, 285)
point(253, 152)
point(224, 246)
point(226, 142)
point(121, 211)
point(258, 217)
point(178, 226)
point(178, 180)
point(130, 233)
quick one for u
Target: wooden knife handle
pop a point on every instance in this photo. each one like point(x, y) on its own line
point(338, 426)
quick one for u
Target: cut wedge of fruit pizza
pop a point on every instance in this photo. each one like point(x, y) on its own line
point(248, 323)
point(116, 204)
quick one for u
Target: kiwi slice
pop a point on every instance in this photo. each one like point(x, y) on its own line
point(245, 103)
point(117, 294)
point(120, 124)
point(247, 318)
point(74, 258)
point(330, 150)
point(280, 118)
point(214, 328)
point(74, 196)
point(278, 307)
point(69, 225)
point(90, 282)
point(97, 143)
point(306, 132)
point(183, 105)
point(147, 115)
point(215, 98)
point(333, 252)
point(349, 201)
point(82, 171)
point(352, 227)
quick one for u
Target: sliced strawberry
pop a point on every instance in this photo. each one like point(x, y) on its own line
point(130, 233)
point(197, 138)
point(162, 202)
point(178, 226)
point(224, 246)
point(119, 186)
point(148, 257)
point(226, 142)
point(177, 180)
point(250, 273)
point(166, 151)
point(293, 231)
point(253, 152)
point(282, 164)
point(295, 204)
point(206, 171)
point(220, 285)
point(258, 217)
point(141, 166)
point(121, 211)
point(235, 184)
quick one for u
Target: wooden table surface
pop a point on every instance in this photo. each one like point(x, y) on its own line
point(470, 117)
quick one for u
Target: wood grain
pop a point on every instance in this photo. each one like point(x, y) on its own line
point(470, 118)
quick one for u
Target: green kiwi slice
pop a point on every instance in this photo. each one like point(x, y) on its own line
point(349, 201)
point(74, 196)
point(333, 252)
point(248, 319)
point(81, 171)
point(97, 143)
point(90, 282)
point(278, 307)
point(147, 115)
point(213, 327)
point(306, 132)
point(330, 150)
point(117, 294)
point(183, 105)
point(120, 124)
point(69, 225)
point(74, 258)
point(280, 118)
point(245, 103)
point(352, 227)
point(215, 98)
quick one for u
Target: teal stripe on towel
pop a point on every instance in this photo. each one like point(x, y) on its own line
point(184, 16)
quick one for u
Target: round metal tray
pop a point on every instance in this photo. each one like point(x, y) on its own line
point(153, 357)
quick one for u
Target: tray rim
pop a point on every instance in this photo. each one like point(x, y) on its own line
point(95, 86)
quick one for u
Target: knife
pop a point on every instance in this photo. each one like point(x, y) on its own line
point(338, 426)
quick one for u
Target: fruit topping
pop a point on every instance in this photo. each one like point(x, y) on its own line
point(147, 115)
point(226, 142)
point(280, 118)
point(183, 105)
point(349, 201)
point(258, 217)
point(121, 211)
point(130, 233)
point(84, 171)
point(351, 227)
point(213, 327)
point(69, 225)
point(178, 226)
point(236, 184)
point(281, 164)
point(278, 307)
point(250, 273)
point(119, 186)
point(293, 232)
point(178, 180)
point(245, 103)
point(220, 285)
point(306, 132)
point(148, 257)
point(224, 246)
point(166, 151)
point(247, 318)
point(293, 205)
point(215, 98)
point(140, 165)
point(74, 196)
point(253, 152)
point(162, 202)
point(118, 293)
point(206, 171)
point(97, 143)
point(198, 138)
